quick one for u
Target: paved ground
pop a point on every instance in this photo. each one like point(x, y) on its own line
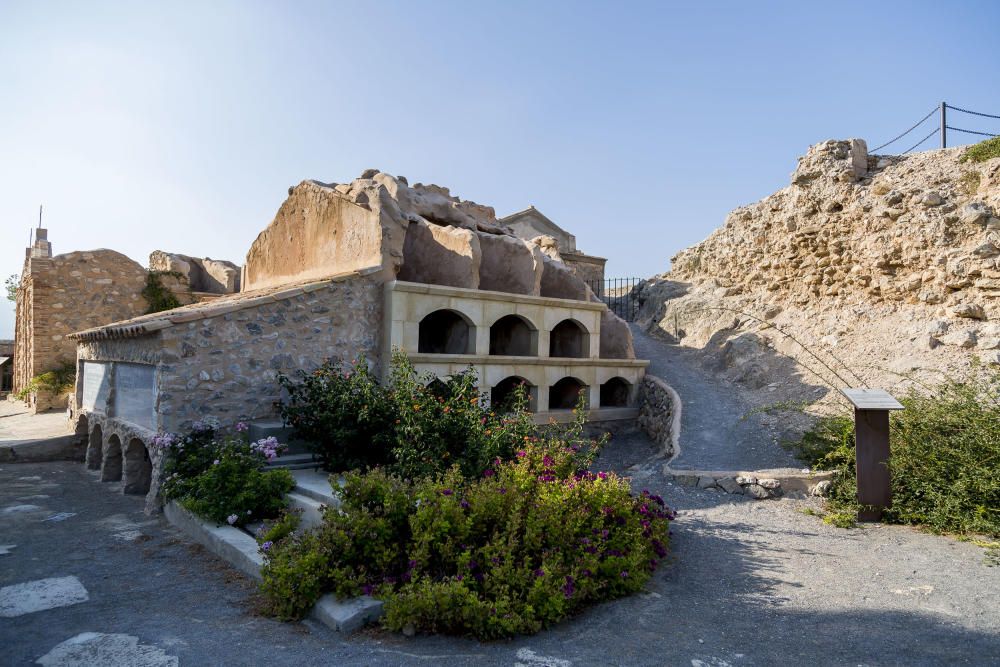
point(752, 583)
point(717, 431)
point(18, 426)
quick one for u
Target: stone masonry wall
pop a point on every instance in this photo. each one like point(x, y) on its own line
point(227, 366)
point(659, 409)
point(67, 293)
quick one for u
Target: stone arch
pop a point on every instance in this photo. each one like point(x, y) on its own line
point(513, 336)
point(111, 463)
point(95, 447)
point(615, 393)
point(564, 394)
point(569, 338)
point(502, 393)
point(446, 332)
point(138, 468)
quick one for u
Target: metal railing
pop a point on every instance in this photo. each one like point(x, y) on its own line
point(619, 294)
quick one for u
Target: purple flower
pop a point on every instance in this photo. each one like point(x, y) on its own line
point(267, 546)
point(547, 461)
point(215, 462)
point(242, 426)
point(539, 572)
point(446, 492)
point(602, 475)
point(568, 588)
point(367, 589)
point(624, 574)
point(464, 504)
point(231, 519)
point(488, 473)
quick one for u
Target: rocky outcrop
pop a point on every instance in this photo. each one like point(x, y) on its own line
point(200, 274)
point(887, 263)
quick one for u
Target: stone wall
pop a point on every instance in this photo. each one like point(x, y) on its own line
point(66, 293)
point(222, 358)
point(660, 413)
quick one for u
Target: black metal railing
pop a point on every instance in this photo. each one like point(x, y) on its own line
point(619, 294)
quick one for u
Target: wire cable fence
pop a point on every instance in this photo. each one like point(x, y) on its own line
point(942, 129)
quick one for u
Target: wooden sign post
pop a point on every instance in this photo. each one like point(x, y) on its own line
point(871, 437)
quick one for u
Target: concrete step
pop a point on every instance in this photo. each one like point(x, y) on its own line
point(315, 484)
point(312, 509)
point(294, 462)
point(266, 428)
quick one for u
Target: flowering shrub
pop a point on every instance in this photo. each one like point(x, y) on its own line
point(525, 544)
point(415, 426)
point(221, 478)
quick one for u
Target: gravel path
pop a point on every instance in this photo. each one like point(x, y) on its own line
point(716, 433)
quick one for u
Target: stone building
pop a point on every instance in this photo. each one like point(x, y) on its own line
point(60, 294)
point(532, 223)
point(6, 367)
point(351, 270)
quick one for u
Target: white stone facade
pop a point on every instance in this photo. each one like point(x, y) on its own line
point(407, 305)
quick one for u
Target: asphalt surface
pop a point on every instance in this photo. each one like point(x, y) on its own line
point(718, 429)
point(750, 583)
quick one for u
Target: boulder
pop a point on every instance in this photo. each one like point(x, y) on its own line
point(968, 310)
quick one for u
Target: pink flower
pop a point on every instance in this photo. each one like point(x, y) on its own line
point(242, 426)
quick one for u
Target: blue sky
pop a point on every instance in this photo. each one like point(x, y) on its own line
point(635, 125)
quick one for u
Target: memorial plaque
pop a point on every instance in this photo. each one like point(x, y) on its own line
point(135, 394)
point(96, 386)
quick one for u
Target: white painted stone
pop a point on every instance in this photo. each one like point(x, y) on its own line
point(528, 658)
point(21, 509)
point(5, 549)
point(39, 595)
point(97, 648)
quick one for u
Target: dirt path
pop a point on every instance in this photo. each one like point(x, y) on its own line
point(716, 433)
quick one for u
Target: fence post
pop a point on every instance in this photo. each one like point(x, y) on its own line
point(944, 126)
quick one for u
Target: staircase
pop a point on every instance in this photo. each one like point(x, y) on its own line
point(296, 457)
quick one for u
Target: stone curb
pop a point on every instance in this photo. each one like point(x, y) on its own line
point(241, 551)
point(758, 484)
point(60, 448)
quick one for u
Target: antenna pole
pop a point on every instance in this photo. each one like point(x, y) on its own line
point(39, 216)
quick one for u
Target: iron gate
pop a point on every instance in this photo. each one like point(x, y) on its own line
point(619, 294)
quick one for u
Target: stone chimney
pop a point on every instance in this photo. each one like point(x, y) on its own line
point(41, 248)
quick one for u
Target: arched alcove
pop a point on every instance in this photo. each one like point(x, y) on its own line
point(502, 395)
point(111, 465)
point(564, 394)
point(513, 336)
point(446, 332)
point(138, 468)
point(569, 339)
point(615, 393)
point(95, 449)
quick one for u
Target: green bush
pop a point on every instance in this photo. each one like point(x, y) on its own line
point(527, 543)
point(222, 478)
point(414, 426)
point(156, 295)
point(58, 381)
point(983, 151)
point(944, 461)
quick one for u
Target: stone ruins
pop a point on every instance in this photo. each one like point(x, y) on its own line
point(531, 225)
point(61, 294)
point(348, 271)
point(890, 264)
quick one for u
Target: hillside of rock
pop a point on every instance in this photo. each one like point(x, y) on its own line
point(882, 266)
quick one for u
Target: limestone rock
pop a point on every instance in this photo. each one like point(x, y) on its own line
point(963, 339)
point(968, 310)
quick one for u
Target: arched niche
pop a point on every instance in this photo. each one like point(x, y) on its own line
point(615, 393)
point(446, 332)
point(138, 468)
point(111, 464)
point(513, 336)
point(570, 339)
point(565, 393)
point(502, 395)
